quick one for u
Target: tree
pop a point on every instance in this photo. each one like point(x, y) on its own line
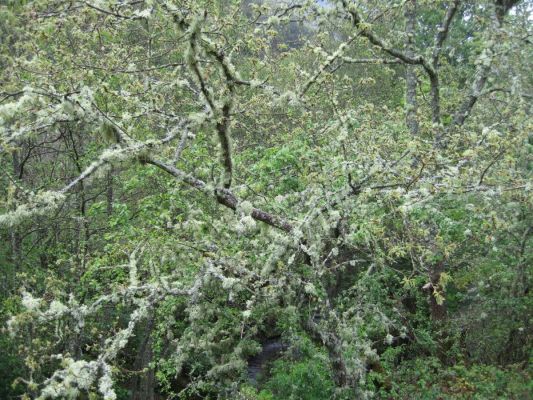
point(324, 213)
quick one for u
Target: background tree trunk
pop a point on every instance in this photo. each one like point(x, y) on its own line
point(411, 104)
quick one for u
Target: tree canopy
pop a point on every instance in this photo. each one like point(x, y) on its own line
point(259, 199)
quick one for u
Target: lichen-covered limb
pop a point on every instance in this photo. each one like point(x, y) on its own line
point(220, 113)
point(350, 60)
point(223, 123)
point(332, 343)
point(365, 31)
point(43, 202)
point(440, 37)
point(223, 196)
point(329, 61)
point(80, 375)
point(484, 64)
point(111, 155)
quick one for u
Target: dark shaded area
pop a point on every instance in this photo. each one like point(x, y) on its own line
point(258, 364)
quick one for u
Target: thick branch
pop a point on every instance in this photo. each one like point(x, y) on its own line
point(440, 37)
point(223, 196)
point(223, 124)
point(223, 121)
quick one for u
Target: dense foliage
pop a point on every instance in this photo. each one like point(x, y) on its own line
point(265, 199)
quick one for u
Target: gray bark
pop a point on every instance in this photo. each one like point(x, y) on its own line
point(16, 241)
point(411, 118)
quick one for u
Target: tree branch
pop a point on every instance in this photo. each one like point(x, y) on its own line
point(484, 65)
point(365, 31)
point(443, 31)
point(440, 37)
point(223, 196)
point(222, 122)
point(350, 60)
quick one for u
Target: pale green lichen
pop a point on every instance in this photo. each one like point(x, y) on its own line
point(57, 308)
point(67, 383)
point(246, 207)
point(38, 205)
point(29, 302)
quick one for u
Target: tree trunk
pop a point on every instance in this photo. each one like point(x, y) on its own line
point(144, 384)
point(16, 245)
point(411, 104)
point(438, 311)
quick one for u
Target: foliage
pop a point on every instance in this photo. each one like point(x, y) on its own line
point(337, 191)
